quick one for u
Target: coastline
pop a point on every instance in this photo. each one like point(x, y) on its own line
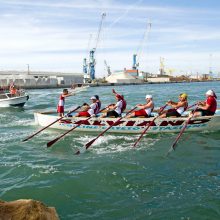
point(108, 84)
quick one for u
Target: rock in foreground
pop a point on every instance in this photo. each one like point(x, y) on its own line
point(26, 209)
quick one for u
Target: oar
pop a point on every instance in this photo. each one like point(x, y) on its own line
point(50, 124)
point(49, 144)
point(145, 130)
point(94, 139)
point(191, 106)
point(173, 147)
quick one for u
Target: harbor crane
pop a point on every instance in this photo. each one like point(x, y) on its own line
point(162, 66)
point(137, 56)
point(107, 68)
point(89, 69)
point(85, 65)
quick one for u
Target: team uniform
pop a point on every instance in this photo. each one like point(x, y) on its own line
point(177, 112)
point(211, 101)
point(119, 109)
point(99, 105)
point(94, 109)
point(143, 112)
point(60, 106)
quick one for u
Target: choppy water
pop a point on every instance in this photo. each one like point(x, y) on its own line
point(112, 180)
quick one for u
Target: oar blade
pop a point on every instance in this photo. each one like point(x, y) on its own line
point(135, 144)
point(169, 151)
point(77, 152)
point(145, 130)
point(87, 145)
point(49, 144)
point(26, 139)
point(81, 150)
point(90, 143)
point(173, 147)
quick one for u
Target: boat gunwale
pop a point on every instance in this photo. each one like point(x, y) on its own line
point(13, 98)
point(184, 118)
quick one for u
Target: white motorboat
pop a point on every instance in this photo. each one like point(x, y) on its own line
point(13, 100)
point(79, 89)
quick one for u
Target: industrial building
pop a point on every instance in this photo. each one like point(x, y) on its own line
point(39, 79)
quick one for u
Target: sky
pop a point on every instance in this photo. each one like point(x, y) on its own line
point(52, 35)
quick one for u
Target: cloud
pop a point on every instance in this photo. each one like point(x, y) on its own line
point(54, 34)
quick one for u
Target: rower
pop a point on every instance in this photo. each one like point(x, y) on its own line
point(207, 107)
point(145, 109)
point(177, 108)
point(115, 110)
point(89, 110)
point(98, 102)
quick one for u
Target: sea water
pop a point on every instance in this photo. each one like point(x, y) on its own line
point(112, 180)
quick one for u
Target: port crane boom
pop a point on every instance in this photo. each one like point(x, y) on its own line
point(137, 56)
point(90, 75)
point(107, 68)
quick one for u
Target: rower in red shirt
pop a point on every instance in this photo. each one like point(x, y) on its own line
point(207, 107)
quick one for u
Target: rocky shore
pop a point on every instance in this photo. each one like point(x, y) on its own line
point(26, 209)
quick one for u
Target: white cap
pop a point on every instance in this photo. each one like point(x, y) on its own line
point(210, 92)
point(148, 96)
point(93, 97)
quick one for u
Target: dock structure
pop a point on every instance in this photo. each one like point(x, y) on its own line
point(39, 79)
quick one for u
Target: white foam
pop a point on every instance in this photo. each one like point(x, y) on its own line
point(107, 144)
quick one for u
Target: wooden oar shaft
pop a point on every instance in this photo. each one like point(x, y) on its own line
point(191, 106)
point(49, 144)
point(145, 130)
point(173, 147)
point(49, 125)
point(87, 145)
point(180, 134)
point(93, 140)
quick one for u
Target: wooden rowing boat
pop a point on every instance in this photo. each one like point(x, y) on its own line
point(132, 125)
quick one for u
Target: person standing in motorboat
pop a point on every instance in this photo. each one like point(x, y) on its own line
point(13, 90)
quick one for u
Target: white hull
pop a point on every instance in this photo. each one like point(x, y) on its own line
point(130, 126)
point(7, 101)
